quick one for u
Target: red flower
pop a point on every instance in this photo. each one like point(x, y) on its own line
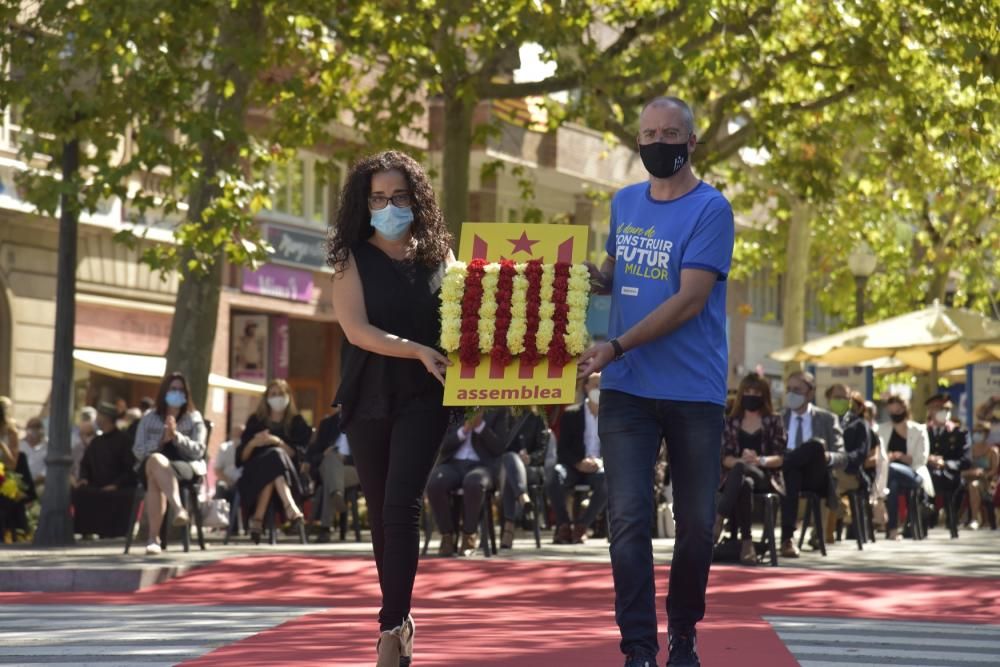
point(505, 290)
point(472, 299)
point(533, 273)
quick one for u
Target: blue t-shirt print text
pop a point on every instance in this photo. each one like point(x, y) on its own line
point(641, 252)
point(652, 242)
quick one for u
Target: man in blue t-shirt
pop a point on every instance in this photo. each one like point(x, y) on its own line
point(664, 377)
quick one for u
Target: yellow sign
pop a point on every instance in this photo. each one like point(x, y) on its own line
point(516, 383)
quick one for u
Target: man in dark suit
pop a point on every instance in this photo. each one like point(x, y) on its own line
point(849, 406)
point(950, 447)
point(578, 451)
point(469, 460)
point(815, 449)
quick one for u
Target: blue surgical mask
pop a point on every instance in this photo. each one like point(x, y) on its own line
point(392, 222)
point(175, 398)
point(794, 401)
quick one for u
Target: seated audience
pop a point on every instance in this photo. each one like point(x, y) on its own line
point(83, 434)
point(329, 461)
point(753, 447)
point(815, 449)
point(469, 460)
point(904, 443)
point(102, 496)
point(13, 510)
point(981, 477)
point(36, 447)
point(949, 448)
point(272, 445)
point(169, 446)
point(227, 473)
point(578, 452)
point(849, 407)
point(989, 412)
point(523, 463)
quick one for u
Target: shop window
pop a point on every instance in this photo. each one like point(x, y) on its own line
point(11, 126)
point(305, 191)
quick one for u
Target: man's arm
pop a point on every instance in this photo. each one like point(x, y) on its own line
point(492, 437)
point(696, 286)
point(835, 445)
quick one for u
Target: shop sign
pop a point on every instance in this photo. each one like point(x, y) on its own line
point(280, 282)
point(297, 247)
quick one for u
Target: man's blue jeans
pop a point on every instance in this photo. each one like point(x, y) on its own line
point(631, 428)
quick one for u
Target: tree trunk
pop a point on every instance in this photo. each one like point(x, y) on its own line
point(192, 333)
point(793, 299)
point(938, 289)
point(55, 526)
point(196, 309)
point(455, 167)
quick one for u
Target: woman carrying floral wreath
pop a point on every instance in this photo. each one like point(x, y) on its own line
point(388, 248)
point(17, 489)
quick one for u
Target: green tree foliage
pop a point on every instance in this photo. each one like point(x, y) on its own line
point(458, 54)
point(161, 95)
point(831, 122)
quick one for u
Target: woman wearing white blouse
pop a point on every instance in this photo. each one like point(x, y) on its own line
point(905, 447)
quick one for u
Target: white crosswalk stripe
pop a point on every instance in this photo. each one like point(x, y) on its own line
point(840, 642)
point(146, 635)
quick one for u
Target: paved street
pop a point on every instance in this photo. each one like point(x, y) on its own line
point(932, 603)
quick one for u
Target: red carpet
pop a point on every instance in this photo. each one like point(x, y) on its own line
point(531, 613)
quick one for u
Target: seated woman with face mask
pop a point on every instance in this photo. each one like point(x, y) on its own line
point(905, 446)
point(269, 453)
point(980, 478)
point(753, 448)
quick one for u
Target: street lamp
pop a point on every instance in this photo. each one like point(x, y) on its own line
point(861, 262)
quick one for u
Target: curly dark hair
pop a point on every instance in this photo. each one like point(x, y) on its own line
point(431, 237)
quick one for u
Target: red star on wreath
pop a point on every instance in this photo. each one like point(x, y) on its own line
point(522, 244)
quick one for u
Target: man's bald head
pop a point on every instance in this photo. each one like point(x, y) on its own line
point(676, 103)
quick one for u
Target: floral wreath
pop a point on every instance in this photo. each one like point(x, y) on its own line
point(10, 484)
point(505, 309)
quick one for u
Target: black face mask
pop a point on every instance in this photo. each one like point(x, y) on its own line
point(663, 160)
point(752, 403)
point(898, 419)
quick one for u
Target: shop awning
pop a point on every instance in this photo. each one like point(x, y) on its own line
point(148, 368)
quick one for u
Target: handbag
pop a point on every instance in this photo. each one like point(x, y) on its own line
point(215, 513)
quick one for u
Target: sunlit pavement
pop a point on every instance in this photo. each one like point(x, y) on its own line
point(933, 602)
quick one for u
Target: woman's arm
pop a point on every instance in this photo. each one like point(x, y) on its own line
point(771, 462)
point(192, 444)
point(349, 305)
point(146, 439)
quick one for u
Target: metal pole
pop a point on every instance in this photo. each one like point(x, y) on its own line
point(859, 300)
point(55, 526)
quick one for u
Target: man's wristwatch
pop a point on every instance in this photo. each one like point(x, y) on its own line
point(619, 350)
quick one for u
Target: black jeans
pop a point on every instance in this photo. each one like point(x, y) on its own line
point(473, 477)
point(736, 499)
point(804, 469)
point(393, 458)
point(631, 428)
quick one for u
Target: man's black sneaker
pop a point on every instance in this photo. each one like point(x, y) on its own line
point(640, 661)
point(683, 649)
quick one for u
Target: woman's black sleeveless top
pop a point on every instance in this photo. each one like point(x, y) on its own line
point(401, 298)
